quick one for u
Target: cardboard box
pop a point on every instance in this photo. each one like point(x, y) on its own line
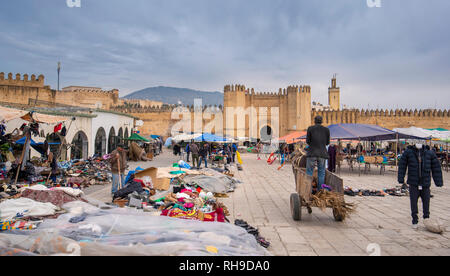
point(158, 183)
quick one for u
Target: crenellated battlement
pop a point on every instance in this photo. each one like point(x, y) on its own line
point(24, 81)
point(281, 91)
point(426, 118)
point(234, 88)
point(166, 108)
point(90, 90)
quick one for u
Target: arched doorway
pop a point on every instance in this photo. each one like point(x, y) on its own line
point(127, 135)
point(80, 146)
point(100, 142)
point(266, 133)
point(120, 133)
point(112, 141)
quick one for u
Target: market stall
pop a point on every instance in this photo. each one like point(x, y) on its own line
point(368, 134)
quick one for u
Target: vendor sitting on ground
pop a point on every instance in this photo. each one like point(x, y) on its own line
point(118, 161)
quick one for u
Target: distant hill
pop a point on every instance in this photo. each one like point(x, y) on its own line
point(173, 95)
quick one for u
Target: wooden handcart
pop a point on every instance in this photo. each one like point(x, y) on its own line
point(303, 197)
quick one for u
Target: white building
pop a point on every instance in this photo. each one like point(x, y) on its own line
point(92, 132)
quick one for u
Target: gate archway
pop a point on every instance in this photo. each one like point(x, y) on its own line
point(266, 133)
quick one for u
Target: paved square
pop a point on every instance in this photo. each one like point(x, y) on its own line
point(263, 201)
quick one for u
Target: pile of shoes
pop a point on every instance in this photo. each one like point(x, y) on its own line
point(397, 191)
point(380, 193)
point(252, 231)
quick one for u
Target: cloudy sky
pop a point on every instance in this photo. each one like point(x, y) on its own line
point(397, 55)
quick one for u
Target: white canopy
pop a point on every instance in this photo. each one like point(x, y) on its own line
point(415, 131)
point(9, 114)
point(185, 137)
point(424, 133)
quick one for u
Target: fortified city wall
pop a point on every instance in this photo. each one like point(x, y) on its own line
point(25, 91)
point(294, 107)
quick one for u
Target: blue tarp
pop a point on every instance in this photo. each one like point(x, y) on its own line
point(208, 137)
point(168, 142)
point(33, 143)
point(364, 132)
point(22, 142)
point(155, 136)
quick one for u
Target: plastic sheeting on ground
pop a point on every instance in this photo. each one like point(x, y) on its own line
point(129, 232)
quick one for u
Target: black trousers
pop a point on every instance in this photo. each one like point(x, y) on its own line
point(414, 195)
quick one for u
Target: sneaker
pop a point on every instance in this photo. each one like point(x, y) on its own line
point(415, 226)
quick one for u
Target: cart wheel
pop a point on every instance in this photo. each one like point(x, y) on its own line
point(296, 207)
point(337, 216)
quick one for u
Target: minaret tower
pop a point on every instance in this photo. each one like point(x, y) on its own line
point(334, 93)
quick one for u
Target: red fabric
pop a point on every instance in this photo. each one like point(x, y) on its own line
point(140, 181)
point(218, 215)
point(58, 127)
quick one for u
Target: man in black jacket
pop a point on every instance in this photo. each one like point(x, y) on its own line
point(318, 138)
point(421, 164)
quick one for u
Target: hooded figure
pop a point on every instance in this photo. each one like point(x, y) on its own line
point(422, 164)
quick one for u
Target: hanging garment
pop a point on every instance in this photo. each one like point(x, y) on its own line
point(332, 152)
point(64, 131)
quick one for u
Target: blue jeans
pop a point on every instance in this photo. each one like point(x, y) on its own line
point(311, 164)
point(115, 182)
point(203, 158)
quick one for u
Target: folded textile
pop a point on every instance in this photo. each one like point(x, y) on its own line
point(25, 207)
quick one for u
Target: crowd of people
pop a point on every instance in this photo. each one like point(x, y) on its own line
point(199, 153)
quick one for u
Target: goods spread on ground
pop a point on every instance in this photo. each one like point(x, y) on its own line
point(159, 211)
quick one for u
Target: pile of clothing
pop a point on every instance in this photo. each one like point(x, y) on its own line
point(135, 193)
point(28, 175)
point(191, 202)
point(31, 205)
point(8, 191)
